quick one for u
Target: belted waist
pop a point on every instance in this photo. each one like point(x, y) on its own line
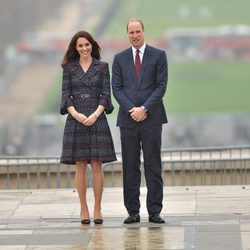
point(82, 96)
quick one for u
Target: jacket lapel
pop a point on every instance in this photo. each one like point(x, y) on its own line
point(131, 64)
point(145, 60)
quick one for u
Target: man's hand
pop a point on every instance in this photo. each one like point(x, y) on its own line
point(138, 114)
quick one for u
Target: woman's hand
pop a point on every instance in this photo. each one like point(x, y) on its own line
point(81, 118)
point(90, 120)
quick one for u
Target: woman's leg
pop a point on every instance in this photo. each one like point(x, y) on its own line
point(81, 186)
point(98, 180)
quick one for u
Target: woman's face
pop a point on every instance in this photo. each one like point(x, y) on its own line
point(83, 47)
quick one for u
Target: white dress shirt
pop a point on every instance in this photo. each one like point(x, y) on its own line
point(142, 49)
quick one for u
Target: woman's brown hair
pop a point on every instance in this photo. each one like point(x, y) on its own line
point(72, 54)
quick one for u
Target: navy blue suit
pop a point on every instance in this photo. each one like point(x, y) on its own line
point(147, 91)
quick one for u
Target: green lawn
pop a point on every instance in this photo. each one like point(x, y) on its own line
point(208, 87)
point(160, 15)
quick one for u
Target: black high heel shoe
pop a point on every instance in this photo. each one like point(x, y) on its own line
point(98, 221)
point(85, 221)
point(97, 213)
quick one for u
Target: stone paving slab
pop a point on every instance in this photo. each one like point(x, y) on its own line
point(202, 217)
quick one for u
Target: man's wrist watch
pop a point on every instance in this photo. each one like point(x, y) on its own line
point(145, 110)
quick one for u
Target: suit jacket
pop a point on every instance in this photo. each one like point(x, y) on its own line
point(147, 91)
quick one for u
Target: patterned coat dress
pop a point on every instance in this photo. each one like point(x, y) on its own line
point(85, 91)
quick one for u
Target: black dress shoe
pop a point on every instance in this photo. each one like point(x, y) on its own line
point(133, 218)
point(155, 218)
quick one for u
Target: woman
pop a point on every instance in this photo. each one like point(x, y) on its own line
point(87, 137)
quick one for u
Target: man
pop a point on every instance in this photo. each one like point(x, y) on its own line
point(140, 118)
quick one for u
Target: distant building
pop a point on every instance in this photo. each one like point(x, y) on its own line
point(219, 43)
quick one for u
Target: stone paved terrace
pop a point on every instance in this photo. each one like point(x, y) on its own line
point(198, 217)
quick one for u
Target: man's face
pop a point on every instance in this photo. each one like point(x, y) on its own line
point(135, 34)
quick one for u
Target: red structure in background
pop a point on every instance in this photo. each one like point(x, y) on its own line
point(234, 48)
point(219, 43)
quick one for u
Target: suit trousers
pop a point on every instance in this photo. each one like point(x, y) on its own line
point(148, 140)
